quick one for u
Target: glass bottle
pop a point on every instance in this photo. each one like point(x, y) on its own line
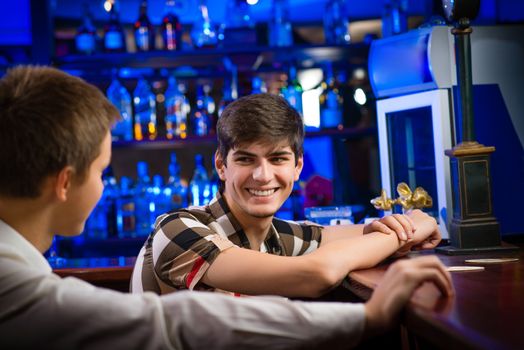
point(280, 30)
point(227, 96)
point(144, 31)
point(114, 38)
point(120, 97)
point(175, 189)
point(142, 199)
point(238, 17)
point(293, 91)
point(145, 111)
point(125, 209)
point(183, 109)
point(203, 34)
point(199, 187)
point(85, 39)
point(201, 118)
point(336, 22)
point(171, 27)
point(330, 101)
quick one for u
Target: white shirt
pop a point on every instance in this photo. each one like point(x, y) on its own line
point(40, 310)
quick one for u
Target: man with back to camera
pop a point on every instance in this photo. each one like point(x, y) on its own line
point(236, 245)
point(54, 145)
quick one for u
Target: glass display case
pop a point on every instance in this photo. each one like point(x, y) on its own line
point(414, 130)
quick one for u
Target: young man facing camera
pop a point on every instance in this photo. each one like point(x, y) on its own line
point(54, 145)
point(235, 243)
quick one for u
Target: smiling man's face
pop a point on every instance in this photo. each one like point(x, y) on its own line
point(258, 178)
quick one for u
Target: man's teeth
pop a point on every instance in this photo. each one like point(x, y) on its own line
point(262, 193)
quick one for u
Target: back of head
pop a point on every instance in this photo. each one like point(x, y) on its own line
point(48, 120)
point(260, 118)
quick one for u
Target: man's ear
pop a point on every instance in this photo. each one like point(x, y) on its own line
point(63, 182)
point(220, 165)
point(298, 167)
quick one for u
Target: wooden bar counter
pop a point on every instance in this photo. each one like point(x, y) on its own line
point(487, 311)
point(113, 273)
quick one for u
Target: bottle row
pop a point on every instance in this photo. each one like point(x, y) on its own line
point(130, 208)
point(238, 27)
point(169, 114)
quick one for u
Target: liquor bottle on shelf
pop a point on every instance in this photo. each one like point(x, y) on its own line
point(258, 85)
point(203, 35)
point(182, 112)
point(114, 38)
point(336, 22)
point(214, 182)
point(171, 27)
point(125, 209)
point(144, 31)
point(142, 199)
point(210, 106)
point(173, 105)
point(394, 18)
point(292, 92)
point(280, 30)
point(159, 199)
point(199, 187)
point(201, 118)
point(227, 96)
point(145, 111)
point(175, 189)
point(330, 101)
point(120, 97)
point(86, 38)
point(238, 27)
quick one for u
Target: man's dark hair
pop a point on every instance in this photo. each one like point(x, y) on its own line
point(263, 118)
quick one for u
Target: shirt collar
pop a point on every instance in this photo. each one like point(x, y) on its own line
point(22, 249)
point(219, 208)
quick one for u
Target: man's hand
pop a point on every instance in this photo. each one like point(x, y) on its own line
point(401, 225)
point(428, 234)
point(397, 286)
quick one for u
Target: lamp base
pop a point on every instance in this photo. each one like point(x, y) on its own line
point(451, 250)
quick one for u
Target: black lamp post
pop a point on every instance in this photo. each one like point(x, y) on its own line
point(473, 227)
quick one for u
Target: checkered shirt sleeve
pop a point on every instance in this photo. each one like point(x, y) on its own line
point(183, 248)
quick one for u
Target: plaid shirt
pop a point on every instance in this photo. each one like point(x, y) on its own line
point(185, 243)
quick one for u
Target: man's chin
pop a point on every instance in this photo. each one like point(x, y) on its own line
point(262, 214)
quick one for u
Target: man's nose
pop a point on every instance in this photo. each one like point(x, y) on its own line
point(263, 172)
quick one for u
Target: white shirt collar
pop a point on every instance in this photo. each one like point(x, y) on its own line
point(21, 249)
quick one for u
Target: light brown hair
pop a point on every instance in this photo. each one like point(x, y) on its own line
point(48, 120)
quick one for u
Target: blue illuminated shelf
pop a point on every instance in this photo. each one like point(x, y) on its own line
point(246, 58)
point(210, 140)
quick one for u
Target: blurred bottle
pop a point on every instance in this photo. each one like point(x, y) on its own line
point(144, 211)
point(203, 34)
point(173, 106)
point(159, 199)
point(182, 111)
point(86, 38)
point(125, 209)
point(227, 96)
point(144, 31)
point(171, 27)
point(280, 30)
point(145, 111)
point(336, 22)
point(238, 19)
point(394, 18)
point(214, 182)
point(175, 189)
point(201, 118)
point(120, 97)
point(292, 92)
point(330, 101)
point(199, 187)
point(258, 85)
point(114, 38)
